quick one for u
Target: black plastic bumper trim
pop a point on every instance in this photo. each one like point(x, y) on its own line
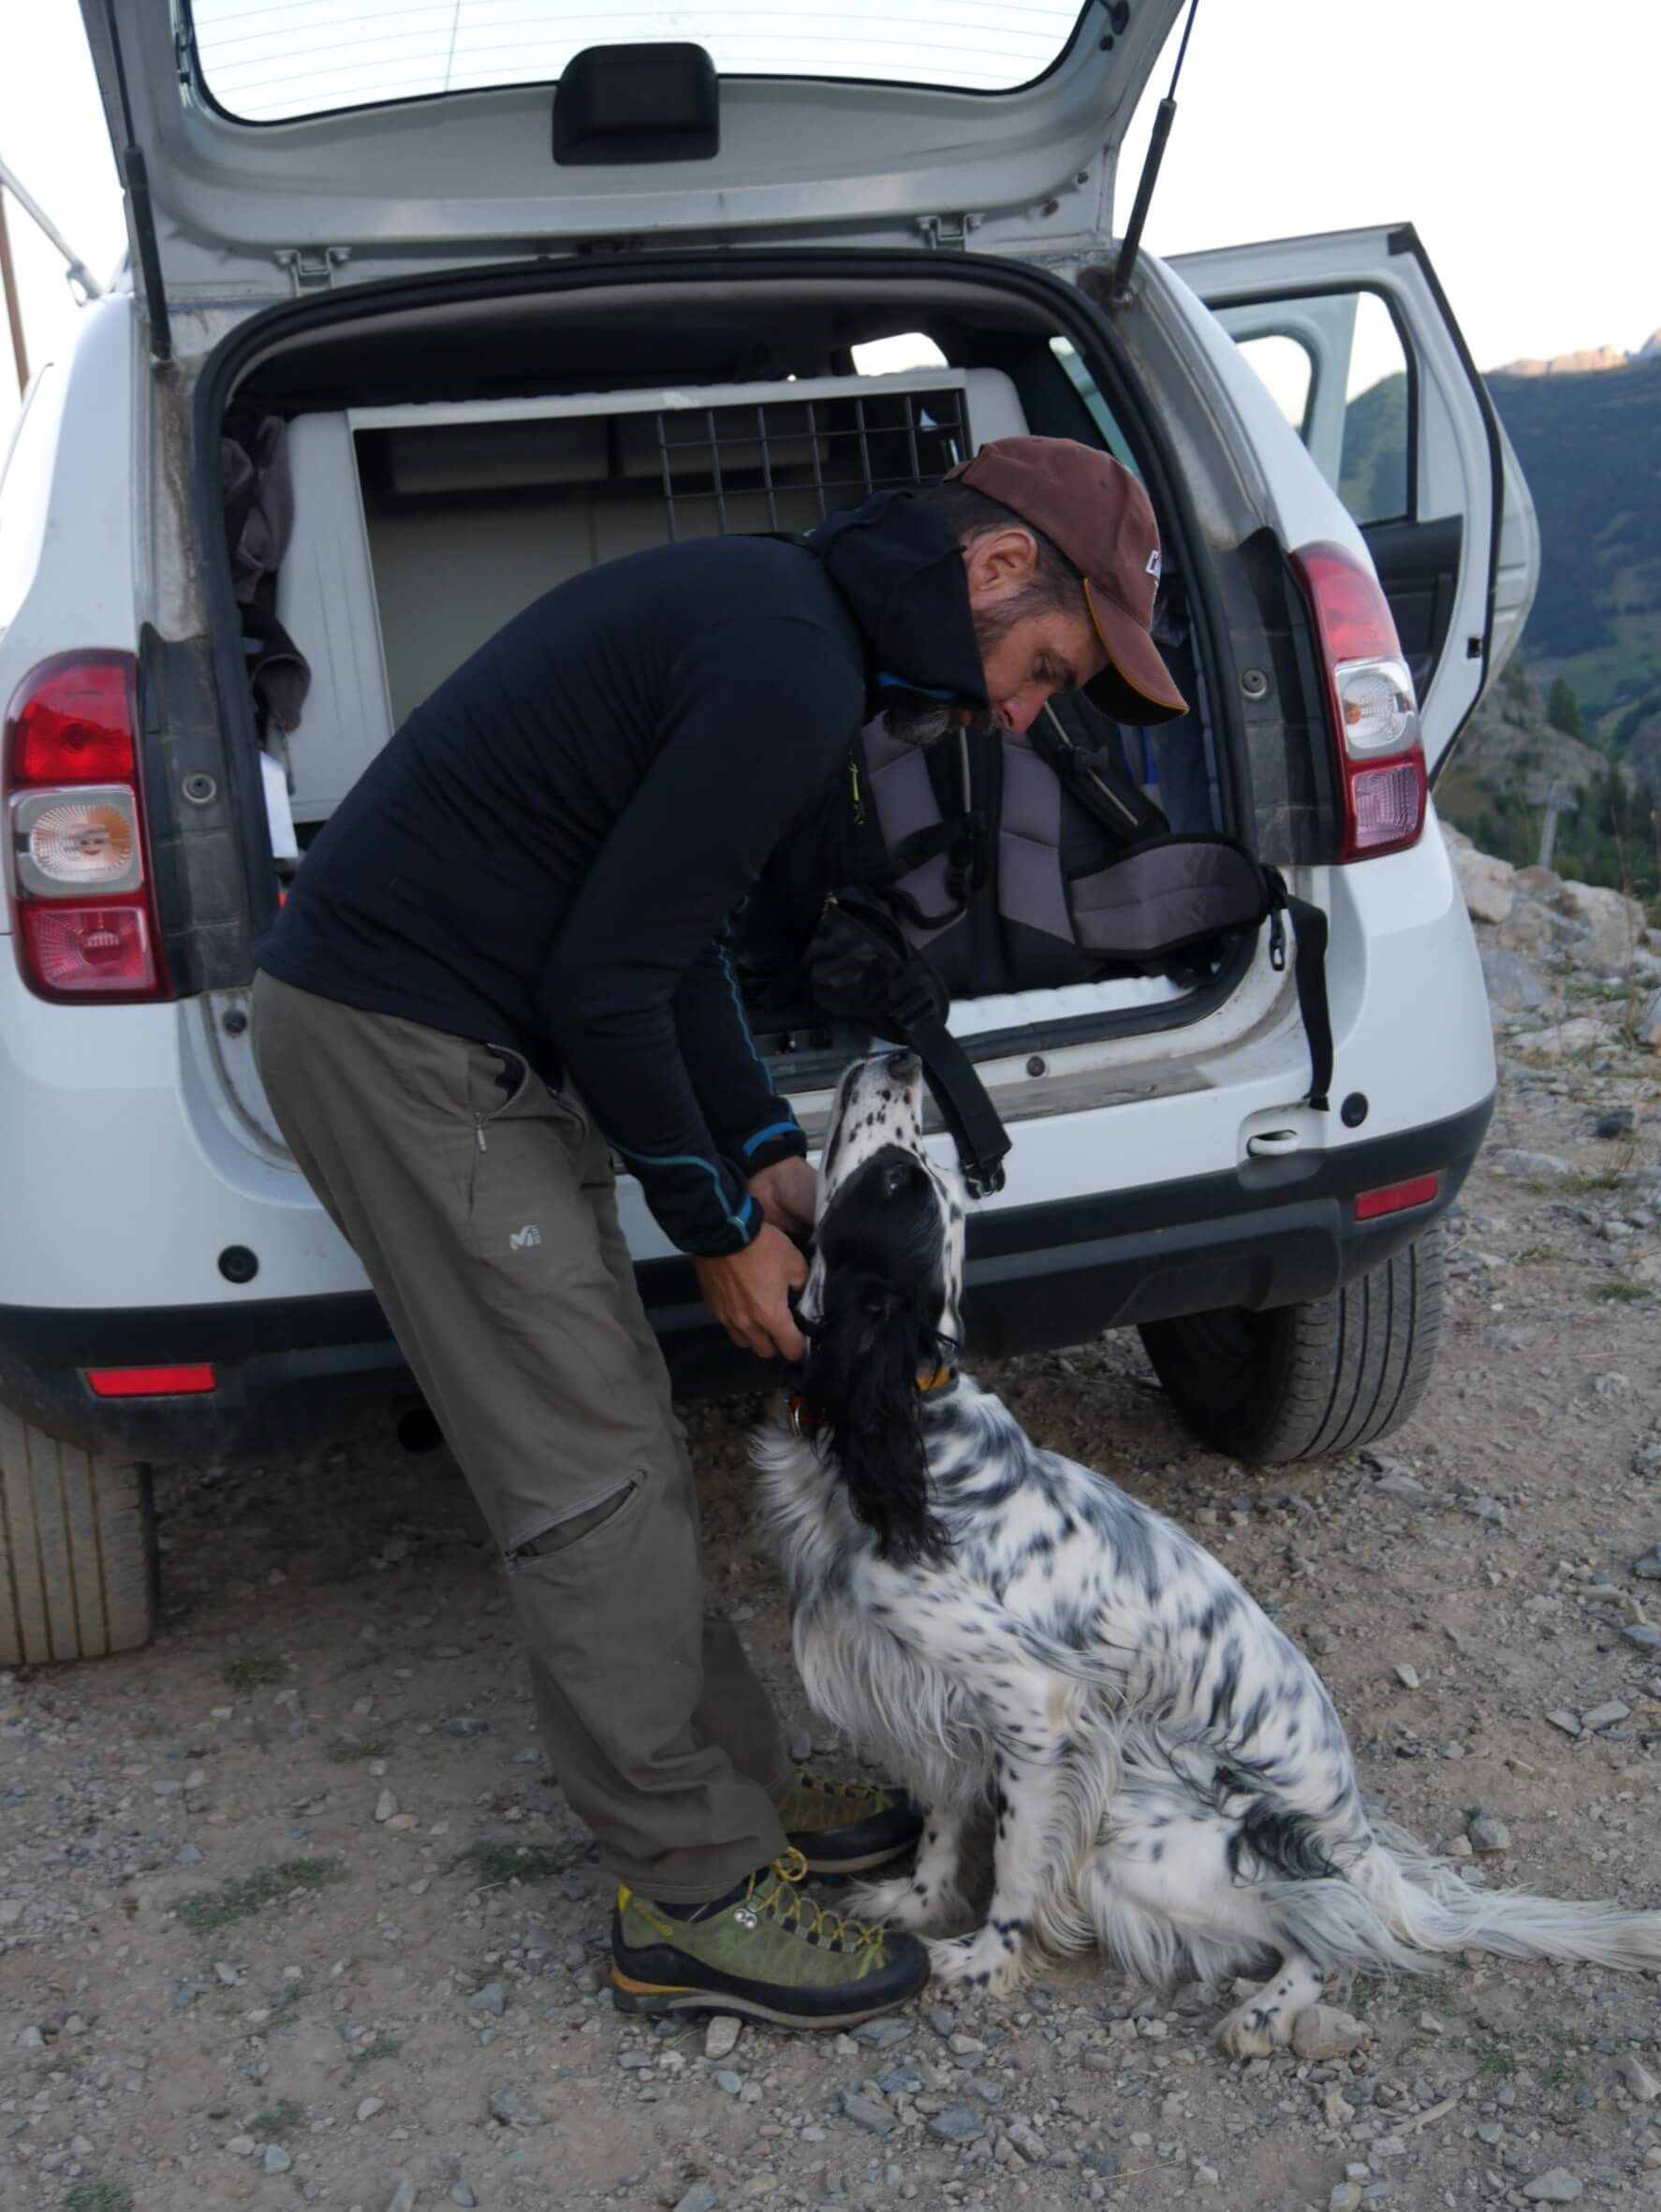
point(1267, 1233)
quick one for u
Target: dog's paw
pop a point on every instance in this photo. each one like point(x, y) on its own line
point(1264, 2023)
point(894, 1903)
point(903, 1903)
point(1254, 2032)
point(981, 1961)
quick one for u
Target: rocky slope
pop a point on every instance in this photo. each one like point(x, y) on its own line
point(1565, 961)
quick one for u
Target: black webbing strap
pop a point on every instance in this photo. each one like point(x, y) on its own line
point(920, 1020)
point(862, 969)
point(1122, 808)
point(1309, 977)
point(962, 841)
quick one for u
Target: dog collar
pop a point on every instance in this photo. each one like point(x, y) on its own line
point(802, 1424)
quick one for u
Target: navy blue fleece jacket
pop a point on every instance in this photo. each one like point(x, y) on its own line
point(547, 853)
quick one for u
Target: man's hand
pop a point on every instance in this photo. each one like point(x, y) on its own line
point(749, 1291)
point(787, 1194)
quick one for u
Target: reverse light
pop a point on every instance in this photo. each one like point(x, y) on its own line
point(1372, 707)
point(1387, 806)
point(191, 1381)
point(83, 913)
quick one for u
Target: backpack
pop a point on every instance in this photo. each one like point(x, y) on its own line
point(1004, 861)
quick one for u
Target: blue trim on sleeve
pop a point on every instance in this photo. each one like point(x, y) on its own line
point(951, 698)
point(734, 1221)
point(738, 1003)
point(754, 1143)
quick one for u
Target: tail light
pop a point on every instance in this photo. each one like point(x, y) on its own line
point(77, 860)
point(1370, 696)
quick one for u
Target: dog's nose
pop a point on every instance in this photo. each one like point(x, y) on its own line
point(903, 1066)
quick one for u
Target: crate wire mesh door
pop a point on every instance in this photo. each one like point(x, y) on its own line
point(788, 464)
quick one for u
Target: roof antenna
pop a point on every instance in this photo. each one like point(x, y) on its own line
point(1124, 269)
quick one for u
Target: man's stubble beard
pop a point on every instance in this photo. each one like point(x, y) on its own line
point(916, 721)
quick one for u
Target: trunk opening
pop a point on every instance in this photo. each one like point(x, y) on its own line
point(465, 449)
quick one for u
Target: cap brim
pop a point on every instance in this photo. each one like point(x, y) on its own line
point(1136, 686)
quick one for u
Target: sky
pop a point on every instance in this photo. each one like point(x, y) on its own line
point(1518, 134)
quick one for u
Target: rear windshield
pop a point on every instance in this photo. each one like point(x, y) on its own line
point(265, 60)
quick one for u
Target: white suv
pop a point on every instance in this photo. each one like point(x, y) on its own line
point(496, 310)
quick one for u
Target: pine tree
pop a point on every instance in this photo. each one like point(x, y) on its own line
point(1563, 709)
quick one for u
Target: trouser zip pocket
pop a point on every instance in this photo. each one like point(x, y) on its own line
point(562, 1534)
point(511, 1059)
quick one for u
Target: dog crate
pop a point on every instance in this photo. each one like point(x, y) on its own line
point(420, 530)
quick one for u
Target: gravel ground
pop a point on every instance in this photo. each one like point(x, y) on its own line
point(290, 1911)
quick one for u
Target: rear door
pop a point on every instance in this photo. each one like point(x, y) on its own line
point(307, 144)
point(1354, 338)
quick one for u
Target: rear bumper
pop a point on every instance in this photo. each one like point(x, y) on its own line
point(1267, 1233)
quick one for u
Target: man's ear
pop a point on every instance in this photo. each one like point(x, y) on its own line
point(999, 563)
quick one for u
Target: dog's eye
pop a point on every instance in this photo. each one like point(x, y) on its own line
point(896, 1175)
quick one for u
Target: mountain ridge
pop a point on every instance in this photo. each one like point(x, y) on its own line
point(1589, 359)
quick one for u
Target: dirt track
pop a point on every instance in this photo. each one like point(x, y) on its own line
point(288, 1909)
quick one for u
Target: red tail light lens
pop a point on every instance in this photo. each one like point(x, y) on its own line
point(72, 723)
point(1371, 703)
point(83, 913)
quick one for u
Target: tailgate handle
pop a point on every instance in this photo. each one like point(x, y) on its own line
point(1273, 1144)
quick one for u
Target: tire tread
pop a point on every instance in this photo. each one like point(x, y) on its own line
point(77, 1551)
point(1332, 1373)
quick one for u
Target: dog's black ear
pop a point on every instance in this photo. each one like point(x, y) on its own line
point(860, 1385)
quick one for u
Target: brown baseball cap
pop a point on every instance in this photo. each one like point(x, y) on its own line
point(1094, 510)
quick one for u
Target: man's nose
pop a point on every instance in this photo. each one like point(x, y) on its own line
point(1020, 712)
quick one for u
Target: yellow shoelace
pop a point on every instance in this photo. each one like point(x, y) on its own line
point(786, 1903)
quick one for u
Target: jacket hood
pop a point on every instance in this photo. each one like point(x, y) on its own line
point(898, 567)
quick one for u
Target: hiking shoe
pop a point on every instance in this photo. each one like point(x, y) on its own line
point(765, 1951)
point(847, 1827)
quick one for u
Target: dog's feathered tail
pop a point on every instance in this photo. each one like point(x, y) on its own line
point(1427, 1904)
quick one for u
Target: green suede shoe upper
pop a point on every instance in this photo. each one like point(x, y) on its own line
point(815, 1804)
point(773, 1934)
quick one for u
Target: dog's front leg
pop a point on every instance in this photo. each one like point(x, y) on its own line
point(1027, 1802)
point(930, 1899)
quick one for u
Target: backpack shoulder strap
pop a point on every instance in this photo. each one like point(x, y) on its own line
point(1121, 807)
point(1309, 978)
point(935, 859)
point(864, 971)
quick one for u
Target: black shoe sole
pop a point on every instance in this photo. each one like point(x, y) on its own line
point(863, 1864)
point(657, 1978)
point(884, 1836)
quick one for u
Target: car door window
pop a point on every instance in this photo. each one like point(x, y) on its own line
point(1335, 365)
point(1286, 367)
point(1084, 383)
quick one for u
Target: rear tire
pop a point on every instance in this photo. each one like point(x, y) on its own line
point(78, 1553)
point(1308, 1380)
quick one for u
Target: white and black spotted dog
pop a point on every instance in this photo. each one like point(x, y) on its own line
point(1013, 1635)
